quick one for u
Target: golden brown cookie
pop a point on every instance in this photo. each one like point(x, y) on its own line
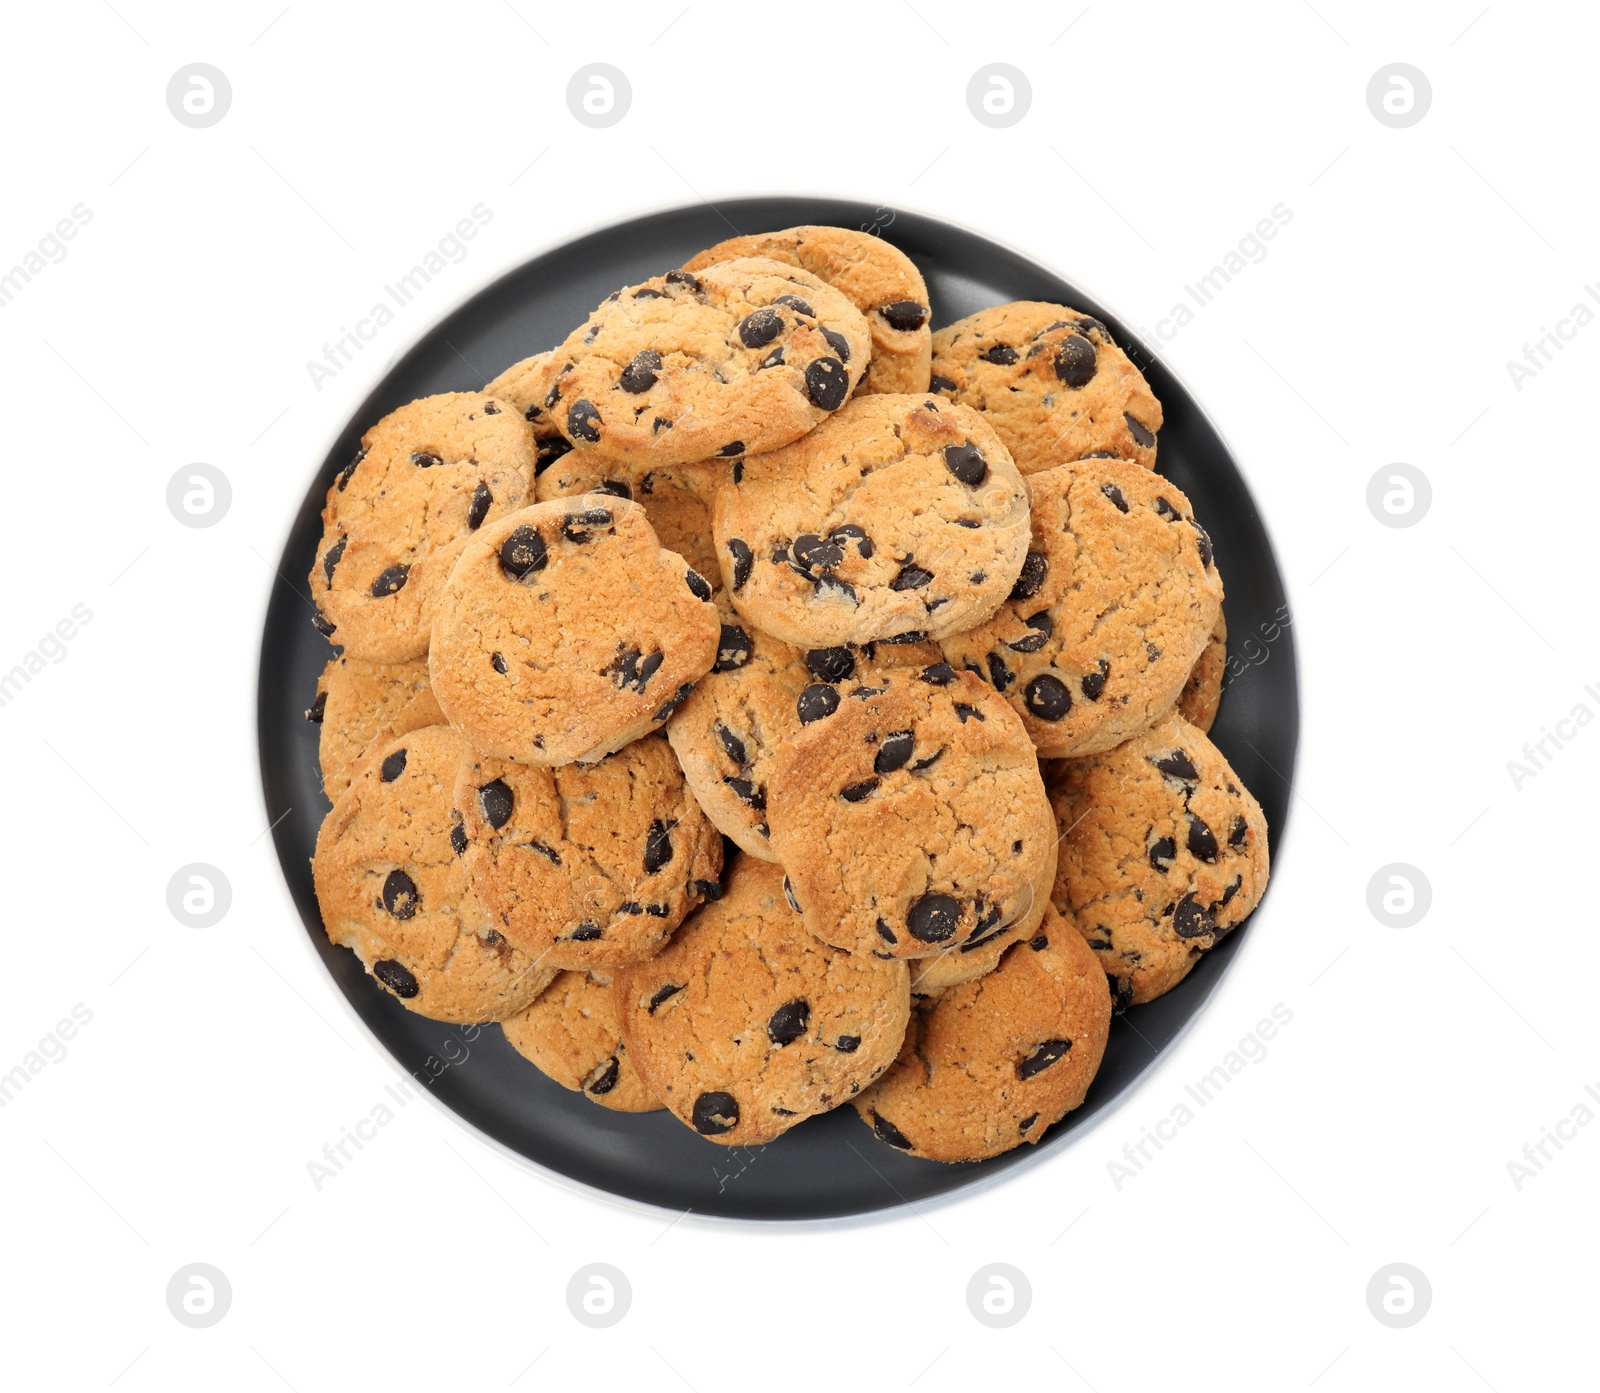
point(354, 701)
point(1051, 381)
point(1202, 693)
point(586, 865)
point(524, 385)
point(746, 1024)
point(880, 280)
point(744, 357)
point(573, 1033)
point(996, 1062)
point(392, 888)
point(1116, 600)
point(909, 814)
point(565, 631)
point(900, 517)
point(1163, 851)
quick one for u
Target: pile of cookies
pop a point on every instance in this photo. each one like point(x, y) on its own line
point(761, 702)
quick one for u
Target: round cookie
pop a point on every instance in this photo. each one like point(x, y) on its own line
point(565, 631)
point(1163, 851)
point(746, 1025)
point(744, 357)
point(586, 865)
point(910, 815)
point(354, 701)
point(573, 1034)
point(728, 732)
point(1202, 693)
point(1051, 381)
point(524, 385)
point(1115, 602)
point(378, 574)
point(392, 888)
point(996, 1062)
point(900, 517)
point(880, 280)
point(676, 501)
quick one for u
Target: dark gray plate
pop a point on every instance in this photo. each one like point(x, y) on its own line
point(830, 1165)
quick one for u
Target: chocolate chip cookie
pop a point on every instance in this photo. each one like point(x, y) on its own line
point(392, 888)
point(880, 280)
point(1051, 381)
point(743, 357)
point(992, 1064)
point(899, 518)
point(524, 385)
point(1115, 601)
point(586, 866)
point(910, 815)
point(573, 1033)
point(1202, 693)
point(746, 1025)
point(354, 701)
point(1163, 851)
point(565, 631)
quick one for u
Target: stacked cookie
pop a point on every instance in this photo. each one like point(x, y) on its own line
point(760, 703)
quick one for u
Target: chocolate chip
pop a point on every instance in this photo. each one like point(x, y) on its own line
point(458, 835)
point(495, 800)
point(758, 329)
point(1042, 625)
point(522, 552)
point(575, 526)
point(1163, 849)
point(1093, 683)
point(933, 918)
point(854, 793)
point(788, 1023)
point(894, 752)
point(390, 581)
point(1003, 355)
point(1043, 1057)
point(698, 585)
point(743, 559)
point(788, 894)
point(733, 649)
point(645, 292)
point(1177, 765)
point(1230, 892)
point(886, 933)
point(798, 305)
point(1075, 361)
point(827, 381)
point(1047, 697)
point(587, 932)
point(939, 675)
point(549, 451)
point(816, 553)
point(1027, 1122)
point(847, 1044)
point(393, 766)
point(1121, 994)
point(831, 664)
point(715, 1113)
point(1165, 509)
point(1100, 454)
point(848, 533)
point(1204, 539)
point(910, 577)
point(731, 450)
point(659, 424)
point(1191, 919)
point(1035, 566)
point(1112, 492)
point(658, 845)
point(999, 674)
point(969, 713)
point(349, 469)
point(818, 700)
point(910, 636)
point(905, 315)
point(322, 624)
point(482, 499)
point(748, 793)
point(1141, 433)
point(396, 977)
point(709, 890)
point(662, 994)
point(1088, 324)
point(583, 420)
point(549, 853)
point(1239, 833)
point(828, 581)
point(640, 374)
point(928, 762)
point(773, 359)
point(318, 709)
point(673, 702)
point(608, 1078)
point(837, 342)
point(498, 662)
point(331, 560)
point(888, 1132)
point(683, 278)
point(1202, 842)
point(423, 460)
point(967, 463)
point(632, 669)
point(1039, 942)
point(400, 894)
point(941, 384)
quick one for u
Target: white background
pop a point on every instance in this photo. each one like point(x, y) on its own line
point(1379, 1125)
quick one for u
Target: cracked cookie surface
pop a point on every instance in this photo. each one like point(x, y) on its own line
point(742, 357)
point(573, 1034)
point(1115, 601)
point(1051, 381)
point(565, 631)
point(1163, 851)
point(994, 1063)
point(880, 280)
point(911, 817)
point(901, 517)
point(746, 1025)
point(392, 888)
point(586, 865)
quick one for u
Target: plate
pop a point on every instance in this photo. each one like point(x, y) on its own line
point(828, 1166)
